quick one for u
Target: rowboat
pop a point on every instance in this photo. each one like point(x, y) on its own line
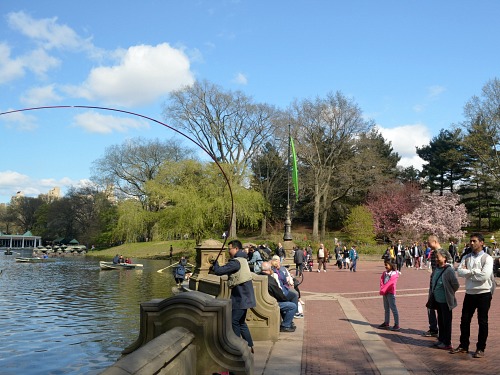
point(119, 266)
point(34, 260)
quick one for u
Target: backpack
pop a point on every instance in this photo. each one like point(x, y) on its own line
point(264, 254)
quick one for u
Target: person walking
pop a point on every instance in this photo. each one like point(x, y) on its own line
point(299, 259)
point(443, 286)
point(388, 282)
point(322, 257)
point(477, 269)
point(240, 283)
point(353, 256)
point(399, 249)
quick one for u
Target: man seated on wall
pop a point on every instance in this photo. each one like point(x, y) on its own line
point(287, 309)
point(284, 279)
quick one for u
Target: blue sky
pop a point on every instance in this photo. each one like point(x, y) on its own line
point(410, 66)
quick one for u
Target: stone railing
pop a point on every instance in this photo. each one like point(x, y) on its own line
point(191, 332)
point(173, 352)
point(264, 319)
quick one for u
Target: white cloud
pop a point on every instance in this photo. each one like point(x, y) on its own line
point(11, 182)
point(405, 139)
point(43, 95)
point(40, 62)
point(19, 121)
point(11, 179)
point(94, 122)
point(240, 79)
point(143, 75)
point(48, 33)
point(435, 91)
point(10, 69)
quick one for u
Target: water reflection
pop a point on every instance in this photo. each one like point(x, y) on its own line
point(69, 317)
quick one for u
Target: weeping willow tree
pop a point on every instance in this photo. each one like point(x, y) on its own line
point(194, 200)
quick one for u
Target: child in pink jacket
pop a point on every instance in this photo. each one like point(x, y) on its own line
point(388, 282)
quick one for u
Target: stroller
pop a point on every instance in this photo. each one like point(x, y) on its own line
point(309, 263)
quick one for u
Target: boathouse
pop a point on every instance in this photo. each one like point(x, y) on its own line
point(19, 241)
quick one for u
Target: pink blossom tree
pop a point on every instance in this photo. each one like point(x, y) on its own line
point(389, 203)
point(442, 216)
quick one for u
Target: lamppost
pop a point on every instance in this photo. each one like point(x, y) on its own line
point(288, 221)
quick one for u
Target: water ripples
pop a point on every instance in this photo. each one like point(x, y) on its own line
point(69, 317)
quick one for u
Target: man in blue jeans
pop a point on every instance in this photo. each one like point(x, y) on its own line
point(287, 309)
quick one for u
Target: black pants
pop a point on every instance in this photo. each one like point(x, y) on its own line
point(482, 303)
point(444, 316)
point(400, 260)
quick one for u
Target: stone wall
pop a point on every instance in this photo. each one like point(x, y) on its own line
point(218, 349)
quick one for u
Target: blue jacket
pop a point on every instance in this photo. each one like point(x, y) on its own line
point(242, 296)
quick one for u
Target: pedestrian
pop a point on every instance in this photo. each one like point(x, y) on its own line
point(345, 257)
point(388, 282)
point(477, 269)
point(433, 330)
point(399, 249)
point(322, 257)
point(299, 259)
point(353, 256)
point(443, 286)
point(280, 251)
point(240, 283)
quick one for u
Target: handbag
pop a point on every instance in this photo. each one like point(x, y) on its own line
point(431, 301)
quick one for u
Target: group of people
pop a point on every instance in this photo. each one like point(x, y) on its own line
point(476, 267)
point(344, 258)
point(281, 285)
point(117, 259)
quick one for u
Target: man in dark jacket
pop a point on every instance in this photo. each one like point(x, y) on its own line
point(240, 283)
point(287, 309)
point(299, 260)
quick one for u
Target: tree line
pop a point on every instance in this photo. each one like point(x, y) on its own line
point(348, 175)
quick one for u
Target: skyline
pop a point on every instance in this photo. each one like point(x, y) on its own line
point(411, 67)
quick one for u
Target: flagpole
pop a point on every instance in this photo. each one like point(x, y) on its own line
point(288, 221)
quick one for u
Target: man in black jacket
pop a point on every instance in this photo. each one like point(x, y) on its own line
point(287, 309)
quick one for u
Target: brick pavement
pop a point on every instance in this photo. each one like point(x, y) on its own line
point(339, 339)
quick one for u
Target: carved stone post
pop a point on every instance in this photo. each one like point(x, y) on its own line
point(201, 280)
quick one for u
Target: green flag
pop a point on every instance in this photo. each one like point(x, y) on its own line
point(295, 171)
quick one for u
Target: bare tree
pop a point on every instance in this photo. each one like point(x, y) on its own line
point(228, 125)
point(127, 167)
point(325, 130)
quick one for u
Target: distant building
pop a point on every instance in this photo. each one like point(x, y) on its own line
point(19, 241)
point(54, 193)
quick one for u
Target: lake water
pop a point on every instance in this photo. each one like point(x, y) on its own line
point(69, 317)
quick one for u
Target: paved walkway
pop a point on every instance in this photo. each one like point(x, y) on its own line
point(339, 334)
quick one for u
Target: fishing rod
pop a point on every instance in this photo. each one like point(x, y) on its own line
point(210, 154)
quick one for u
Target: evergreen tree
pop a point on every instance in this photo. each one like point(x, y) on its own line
point(445, 159)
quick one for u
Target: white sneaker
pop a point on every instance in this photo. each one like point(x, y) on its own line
point(319, 271)
point(324, 270)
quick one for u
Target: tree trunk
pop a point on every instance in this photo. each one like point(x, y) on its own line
point(324, 206)
point(232, 230)
point(323, 224)
point(317, 198)
point(263, 228)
